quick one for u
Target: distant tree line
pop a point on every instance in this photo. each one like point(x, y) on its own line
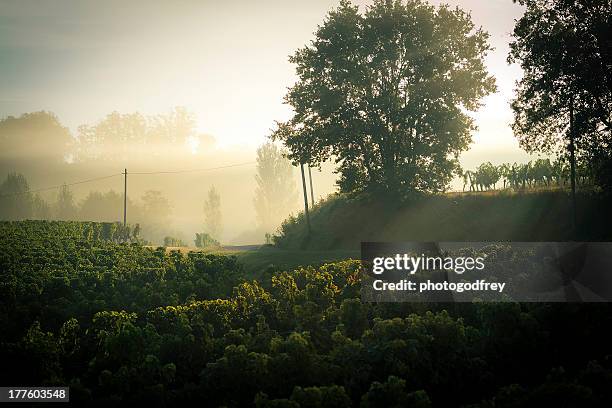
point(18, 203)
point(39, 139)
point(173, 242)
point(41, 136)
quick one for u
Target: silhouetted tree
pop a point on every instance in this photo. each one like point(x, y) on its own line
point(385, 93)
point(65, 209)
point(565, 49)
point(41, 210)
point(156, 206)
point(111, 135)
point(204, 240)
point(154, 215)
point(485, 176)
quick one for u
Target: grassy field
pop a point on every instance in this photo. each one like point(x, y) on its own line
point(340, 223)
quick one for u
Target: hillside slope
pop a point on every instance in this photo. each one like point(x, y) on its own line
point(342, 221)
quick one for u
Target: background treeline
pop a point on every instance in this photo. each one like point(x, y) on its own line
point(36, 151)
point(120, 322)
point(42, 136)
point(152, 210)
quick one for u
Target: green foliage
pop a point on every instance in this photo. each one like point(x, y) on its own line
point(343, 221)
point(18, 203)
point(564, 50)
point(383, 93)
point(125, 322)
point(540, 173)
point(77, 269)
point(321, 397)
point(487, 175)
point(392, 394)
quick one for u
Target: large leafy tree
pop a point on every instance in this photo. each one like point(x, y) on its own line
point(386, 94)
point(565, 50)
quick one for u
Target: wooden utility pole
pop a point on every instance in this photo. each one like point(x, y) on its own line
point(124, 197)
point(305, 198)
point(312, 200)
point(572, 148)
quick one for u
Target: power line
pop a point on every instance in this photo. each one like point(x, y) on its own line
point(125, 174)
point(193, 170)
point(61, 185)
point(131, 173)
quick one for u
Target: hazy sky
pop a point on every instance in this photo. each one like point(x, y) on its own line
point(224, 60)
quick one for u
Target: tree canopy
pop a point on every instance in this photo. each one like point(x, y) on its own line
point(565, 49)
point(385, 93)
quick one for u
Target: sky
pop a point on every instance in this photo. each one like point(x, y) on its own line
point(226, 61)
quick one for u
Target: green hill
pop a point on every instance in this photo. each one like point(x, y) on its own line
point(342, 221)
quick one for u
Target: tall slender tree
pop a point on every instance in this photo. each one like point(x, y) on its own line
point(40, 208)
point(276, 192)
point(65, 208)
point(212, 214)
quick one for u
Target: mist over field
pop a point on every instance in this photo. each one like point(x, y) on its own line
point(184, 166)
point(180, 163)
point(170, 88)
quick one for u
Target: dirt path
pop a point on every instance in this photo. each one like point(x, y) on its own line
point(221, 249)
